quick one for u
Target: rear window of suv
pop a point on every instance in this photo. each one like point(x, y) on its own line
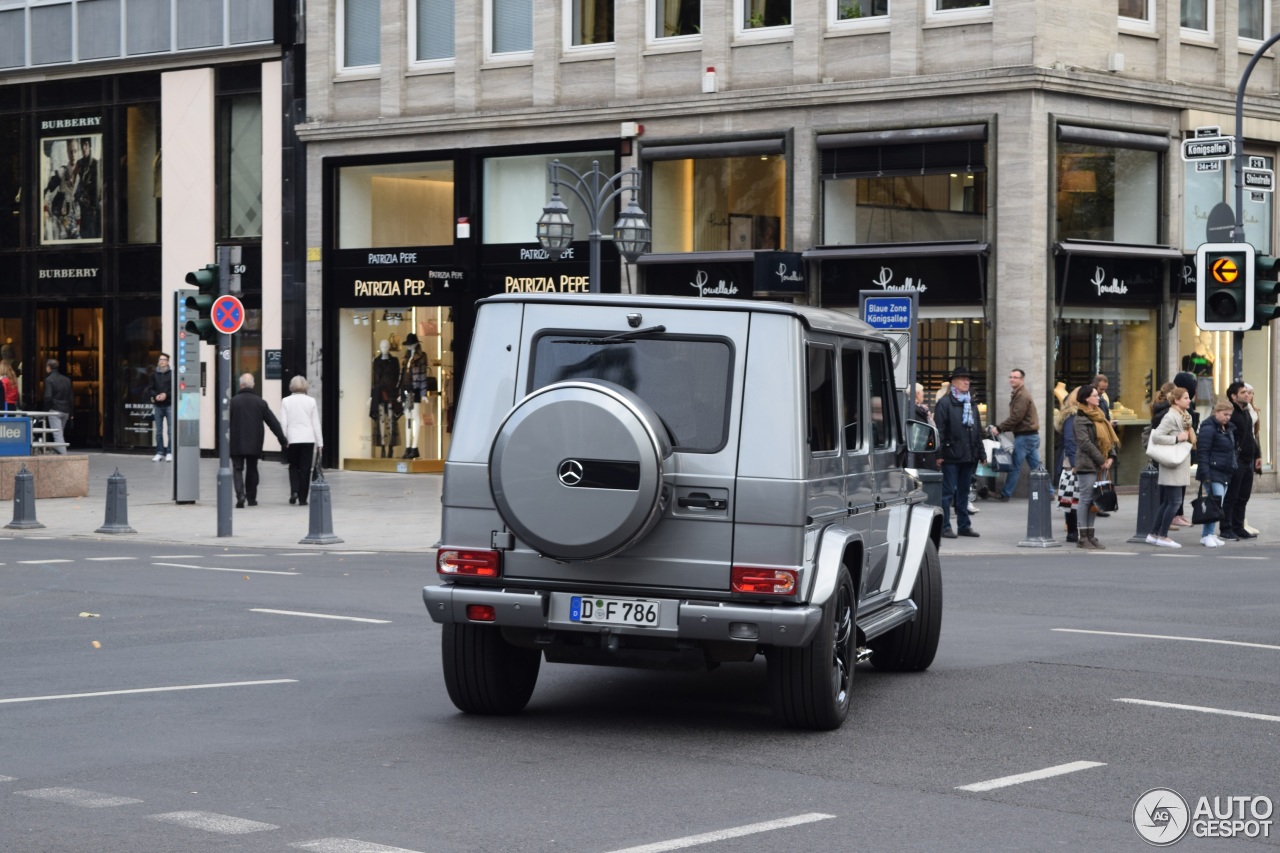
point(687, 381)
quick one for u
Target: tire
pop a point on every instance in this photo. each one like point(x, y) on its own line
point(911, 647)
point(811, 687)
point(485, 674)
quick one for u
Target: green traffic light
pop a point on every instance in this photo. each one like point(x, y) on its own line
point(205, 279)
point(1265, 290)
point(208, 281)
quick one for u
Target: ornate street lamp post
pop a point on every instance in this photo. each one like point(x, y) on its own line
point(631, 233)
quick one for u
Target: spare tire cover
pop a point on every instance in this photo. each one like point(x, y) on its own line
point(576, 470)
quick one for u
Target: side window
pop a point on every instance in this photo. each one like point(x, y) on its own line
point(851, 414)
point(822, 399)
point(883, 422)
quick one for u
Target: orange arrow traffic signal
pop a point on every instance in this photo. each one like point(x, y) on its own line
point(1224, 270)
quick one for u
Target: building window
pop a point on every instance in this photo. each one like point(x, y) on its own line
point(140, 175)
point(1255, 19)
point(360, 28)
point(12, 180)
point(395, 204)
point(858, 10)
point(516, 190)
point(1135, 10)
point(675, 18)
point(1196, 15)
point(1107, 193)
point(432, 27)
point(590, 22)
point(718, 204)
point(759, 14)
point(1206, 184)
point(239, 166)
point(510, 26)
point(960, 5)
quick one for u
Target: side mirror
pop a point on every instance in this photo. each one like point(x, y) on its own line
point(921, 437)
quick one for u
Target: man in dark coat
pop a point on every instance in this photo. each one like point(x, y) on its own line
point(57, 402)
point(1248, 463)
point(960, 443)
point(249, 414)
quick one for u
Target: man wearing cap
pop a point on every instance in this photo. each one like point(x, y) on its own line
point(960, 442)
point(1024, 422)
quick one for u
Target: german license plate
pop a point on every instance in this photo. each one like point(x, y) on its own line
point(613, 611)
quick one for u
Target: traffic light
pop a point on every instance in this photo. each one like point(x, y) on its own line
point(1265, 287)
point(206, 280)
point(1224, 287)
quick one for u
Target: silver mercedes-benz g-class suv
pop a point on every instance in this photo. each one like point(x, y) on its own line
point(658, 481)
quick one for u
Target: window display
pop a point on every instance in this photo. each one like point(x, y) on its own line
point(396, 379)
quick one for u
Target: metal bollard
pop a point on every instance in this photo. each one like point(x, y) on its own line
point(24, 501)
point(1039, 513)
point(321, 532)
point(1148, 502)
point(117, 520)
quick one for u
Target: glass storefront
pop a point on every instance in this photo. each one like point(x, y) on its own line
point(719, 204)
point(396, 204)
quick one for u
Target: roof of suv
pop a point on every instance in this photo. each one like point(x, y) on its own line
point(817, 319)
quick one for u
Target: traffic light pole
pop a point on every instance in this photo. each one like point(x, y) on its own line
point(1237, 233)
point(223, 370)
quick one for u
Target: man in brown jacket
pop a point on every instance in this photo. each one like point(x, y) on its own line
point(1024, 422)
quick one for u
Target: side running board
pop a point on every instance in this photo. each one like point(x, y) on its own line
point(883, 621)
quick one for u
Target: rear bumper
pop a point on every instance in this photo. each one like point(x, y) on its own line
point(681, 620)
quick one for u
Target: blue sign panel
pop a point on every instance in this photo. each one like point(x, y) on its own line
point(15, 436)
point(888, 312)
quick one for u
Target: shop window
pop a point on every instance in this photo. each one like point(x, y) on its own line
point(239, 166)
point(433, 31)
point(71, 189)
point(12, 347)
point(1135, 10)
point(760, 14)
point(717, 204)
point(1196, 15)
point(675, 18)
point(396, 204)
point(11, 184)
point(510, 26)
point(516, 190)
point(360, 29)
point(1255, 19)
point(944, 344)
point(590, 22)
point(1206, 185)
point(1107, 193)
point(858, 10)
point(140, 175)
point(137, 347)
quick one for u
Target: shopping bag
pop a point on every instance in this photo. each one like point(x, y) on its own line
point(1205, 509)
point(1104, 496)
point(1001, 459)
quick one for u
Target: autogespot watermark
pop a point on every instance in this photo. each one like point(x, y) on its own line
point(1162, 817)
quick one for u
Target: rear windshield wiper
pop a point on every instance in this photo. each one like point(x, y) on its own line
point(620, 338)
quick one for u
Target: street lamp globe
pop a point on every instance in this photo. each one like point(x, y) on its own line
point(555, 228)
point(631, 233)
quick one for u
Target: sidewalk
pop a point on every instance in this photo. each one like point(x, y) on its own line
point(371, 511)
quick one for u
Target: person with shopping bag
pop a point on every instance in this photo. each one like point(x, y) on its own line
point(1068, 489)
point(300, 421)
point(1096, 447)
point(1170, 448)
point(1216, 462)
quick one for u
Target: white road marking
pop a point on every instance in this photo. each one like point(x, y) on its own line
point(148, 690)
point(1224, 712)
point(216, 569)
point(1225, 557)
point(346, 553)
point(1168, 637)
point(347, 845)
point(8, 779)
point(239, 556)
point(211, 822)
point(1047, 773)
point(301, 554)
point(77, 797)
point(109, 559)
point(40, 562)
point(319, 615)
point(723, 834)
point(176, 556)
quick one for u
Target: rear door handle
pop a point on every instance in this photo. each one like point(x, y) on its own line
point(698, 500)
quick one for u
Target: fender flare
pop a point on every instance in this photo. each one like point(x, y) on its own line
point(919, 532)
point(833, 541)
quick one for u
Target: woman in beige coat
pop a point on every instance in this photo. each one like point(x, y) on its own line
point(1175, 428)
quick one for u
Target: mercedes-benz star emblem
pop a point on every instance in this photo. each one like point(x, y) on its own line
point(570, 472)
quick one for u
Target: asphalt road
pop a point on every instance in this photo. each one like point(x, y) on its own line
point(296, 732)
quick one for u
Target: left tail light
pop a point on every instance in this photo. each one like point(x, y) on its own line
point(478, 564)
point(765, 581)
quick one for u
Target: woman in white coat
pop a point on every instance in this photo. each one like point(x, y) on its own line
point(1175, 428)
point(300, 420)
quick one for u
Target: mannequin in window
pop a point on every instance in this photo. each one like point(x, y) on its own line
point(1199, 363)
point(384, 400)
point(413, 391)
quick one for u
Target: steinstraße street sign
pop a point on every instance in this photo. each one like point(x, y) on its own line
point(227, 314)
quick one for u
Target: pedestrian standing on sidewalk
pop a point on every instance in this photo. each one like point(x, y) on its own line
point(1068, 489)
point(1189, 382)
point(300, 421)
point(250, 414)
point(57, 402)
point(1257, 438)
point(9, 384)
point(161, 389)
point(1240, 489)
point(1175, 428)
point(1216, 461)
point(960, 444)
point(1024, 422)
point(1096, 446)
